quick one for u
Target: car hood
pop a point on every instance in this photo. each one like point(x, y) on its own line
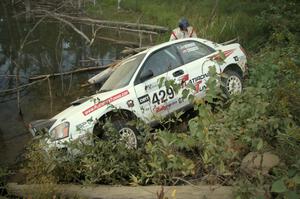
point(80, 105)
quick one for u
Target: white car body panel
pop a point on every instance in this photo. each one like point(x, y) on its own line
point(83, 117)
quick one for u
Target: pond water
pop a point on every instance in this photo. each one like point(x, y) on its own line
point(51, 47)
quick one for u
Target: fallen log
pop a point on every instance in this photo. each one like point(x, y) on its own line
point(71, 25)
point(148, 27)
point(128, 51)
point(122, 42)
point(136, 26)
point(99, 78)
point(38, 77)
point(103, 75)
point(118, 192)
point(129, 30)
point(23, 86)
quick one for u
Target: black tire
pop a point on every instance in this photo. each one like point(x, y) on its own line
point(232, 83)
point(121, 131)
point(128, 133)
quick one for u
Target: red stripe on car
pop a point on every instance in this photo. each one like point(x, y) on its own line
point(105, 102)
point(227, 53)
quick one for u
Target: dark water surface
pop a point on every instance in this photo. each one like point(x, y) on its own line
point(51, 47)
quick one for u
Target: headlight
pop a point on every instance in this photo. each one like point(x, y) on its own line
point(60, 132)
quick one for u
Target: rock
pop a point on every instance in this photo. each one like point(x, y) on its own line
point(254, 161)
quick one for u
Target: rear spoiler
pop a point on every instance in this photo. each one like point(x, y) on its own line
point(231, 41)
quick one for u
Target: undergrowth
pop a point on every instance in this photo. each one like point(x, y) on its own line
point(218, 21)
point(265, 117)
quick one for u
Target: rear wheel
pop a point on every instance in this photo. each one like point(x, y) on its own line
point(232, 83)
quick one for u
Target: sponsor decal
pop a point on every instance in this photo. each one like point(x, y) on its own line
point(197, 86)
point(130, 103)
point(180, 100)
point(187, 48)
point(227, 53)
point(96, 100)
point(202, 88)
point(198, 78)
point(164, 107)
point(84, 124)
point(145, 109)
point(184, 80)
point(105, 102)
point(151, 87)
point(143, 99)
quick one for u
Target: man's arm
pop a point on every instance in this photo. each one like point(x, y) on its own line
point(193, 32)
point(173, 36)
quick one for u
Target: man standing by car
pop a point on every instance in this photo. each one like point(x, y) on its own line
point(184, 30)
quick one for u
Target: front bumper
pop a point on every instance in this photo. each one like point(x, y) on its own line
point(40, 127)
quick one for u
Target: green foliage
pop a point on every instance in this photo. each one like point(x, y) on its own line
point(107, 162)
point(163, 162)
point(98, 162)
point(40, 164)
point(3, 175)
point(287, 184)
point(244, 189)
point(264, 117)
point(219, 21)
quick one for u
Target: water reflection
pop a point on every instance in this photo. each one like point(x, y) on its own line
point(50, 48)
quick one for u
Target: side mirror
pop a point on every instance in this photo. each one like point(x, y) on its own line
point(145, 75)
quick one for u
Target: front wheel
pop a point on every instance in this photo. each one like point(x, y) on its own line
point(117, 129)
point(128, 134)
point(232, 83)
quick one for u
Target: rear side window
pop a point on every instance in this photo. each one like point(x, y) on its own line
point(193, 50)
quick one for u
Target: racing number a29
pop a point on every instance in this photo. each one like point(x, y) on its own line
point(162, 96)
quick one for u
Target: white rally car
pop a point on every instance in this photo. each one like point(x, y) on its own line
point(133, 88)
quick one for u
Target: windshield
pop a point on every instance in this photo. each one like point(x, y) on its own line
point(123, 73)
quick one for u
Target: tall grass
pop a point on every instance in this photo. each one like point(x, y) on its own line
point(219, 22)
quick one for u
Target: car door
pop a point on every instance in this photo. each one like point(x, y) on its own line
point(194, 71)
point(154, 99)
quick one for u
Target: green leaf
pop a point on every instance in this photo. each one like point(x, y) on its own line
point(296, 179)
point(278, 186)
point(161, 81)
point(292, 195)
point(260, 144)
point(222, 55)
point(260, 197)
point(185, 93)
point(191, 97)
point(168, 84)
point(51, 167)
point(291, 172)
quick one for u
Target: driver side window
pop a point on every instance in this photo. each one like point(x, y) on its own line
point(161, 61)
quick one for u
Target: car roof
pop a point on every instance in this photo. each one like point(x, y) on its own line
point(162, 45)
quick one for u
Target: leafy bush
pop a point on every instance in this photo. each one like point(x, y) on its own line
point(3, 175)
point(287, 183)
point(163, 163)
point(264, 117)
point(101, 162)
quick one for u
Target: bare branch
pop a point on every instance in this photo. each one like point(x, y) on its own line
point(30, 31)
